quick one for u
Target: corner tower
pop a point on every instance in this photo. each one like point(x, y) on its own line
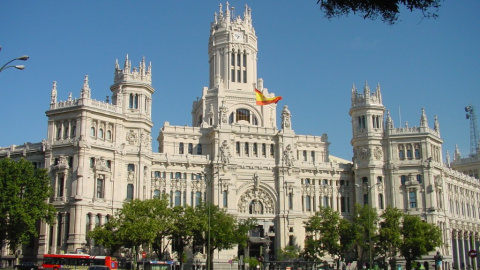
point(367, 112)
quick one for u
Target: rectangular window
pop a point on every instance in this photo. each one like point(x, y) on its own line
point(225, 198)
point(233, 75)
point(272, 150)
point(343, 207)
point(238, 59)
point(304, 155)
point(308, 202)
point(312, 154)
point(264, 150)
point(290, 201)
point(178, 198)
point(255, 149)
point(233, 59)
point(100, 186)
point(130, 192)
point(198, 198)
point(246, 149)
point(61, 185)
point(238, 76)
point(412, 198)
point(244, 60)
point(325, 201)
point(244, 76)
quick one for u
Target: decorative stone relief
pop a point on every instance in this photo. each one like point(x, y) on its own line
point(132, 137)
point(378, 153)
point(257, 198)
point(362, 153)
point(101, 164)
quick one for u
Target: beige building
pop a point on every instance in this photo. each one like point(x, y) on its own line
point(99, 154)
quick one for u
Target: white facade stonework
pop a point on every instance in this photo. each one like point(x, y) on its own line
point(99, 154)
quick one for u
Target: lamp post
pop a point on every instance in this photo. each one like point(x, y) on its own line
point(20, 67)
point(368, 190)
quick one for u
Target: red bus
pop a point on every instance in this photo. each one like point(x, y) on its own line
point(77, 261)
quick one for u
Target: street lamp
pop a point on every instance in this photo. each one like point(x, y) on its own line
point(20, 67)
point(367, 189)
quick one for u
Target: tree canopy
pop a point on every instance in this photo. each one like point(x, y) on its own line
point(419, 238)
point(387, 10)
point(154, 222)
point(24, 192)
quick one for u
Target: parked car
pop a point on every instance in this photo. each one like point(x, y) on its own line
point(98, 267)
point(27, 266)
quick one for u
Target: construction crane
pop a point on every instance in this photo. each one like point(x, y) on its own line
point(470, 110)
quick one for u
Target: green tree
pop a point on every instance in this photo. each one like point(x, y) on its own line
point(388, 10)
point(221, 230)
point(324, 234)
point(289, 253)
point(136, 223)
point(24, 194)
point(389, 234)
point(364, 230)
point(107, 236)
point(419, 238)
point(187, 220)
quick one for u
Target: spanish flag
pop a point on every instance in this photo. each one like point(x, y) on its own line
point(262, 100)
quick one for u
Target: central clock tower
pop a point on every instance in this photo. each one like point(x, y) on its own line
point(232, 50)
point(230, 97)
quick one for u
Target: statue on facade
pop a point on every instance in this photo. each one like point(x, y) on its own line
point(225, 152)
point(286, 118)
point(288, 157)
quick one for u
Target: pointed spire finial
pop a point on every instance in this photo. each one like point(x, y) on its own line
point(85, 92)
point(366, 90)
point(423, 119)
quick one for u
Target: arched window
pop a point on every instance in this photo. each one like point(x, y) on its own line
point(100, 133)
point(243, 114)
point(92, 132)
point(190, 148)
point(180, 148)
point(156, 194)
point(199, 149)
point(109, 134)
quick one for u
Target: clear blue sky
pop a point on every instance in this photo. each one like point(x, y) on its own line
point(309, 60)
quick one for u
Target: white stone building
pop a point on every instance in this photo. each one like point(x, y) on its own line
point(99, 154)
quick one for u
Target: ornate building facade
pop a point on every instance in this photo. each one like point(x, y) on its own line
point(99, 155)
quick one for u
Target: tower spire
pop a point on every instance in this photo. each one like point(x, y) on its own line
point(423, 119)
point(85, 92)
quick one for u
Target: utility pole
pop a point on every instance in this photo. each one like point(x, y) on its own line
point(470, 110)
